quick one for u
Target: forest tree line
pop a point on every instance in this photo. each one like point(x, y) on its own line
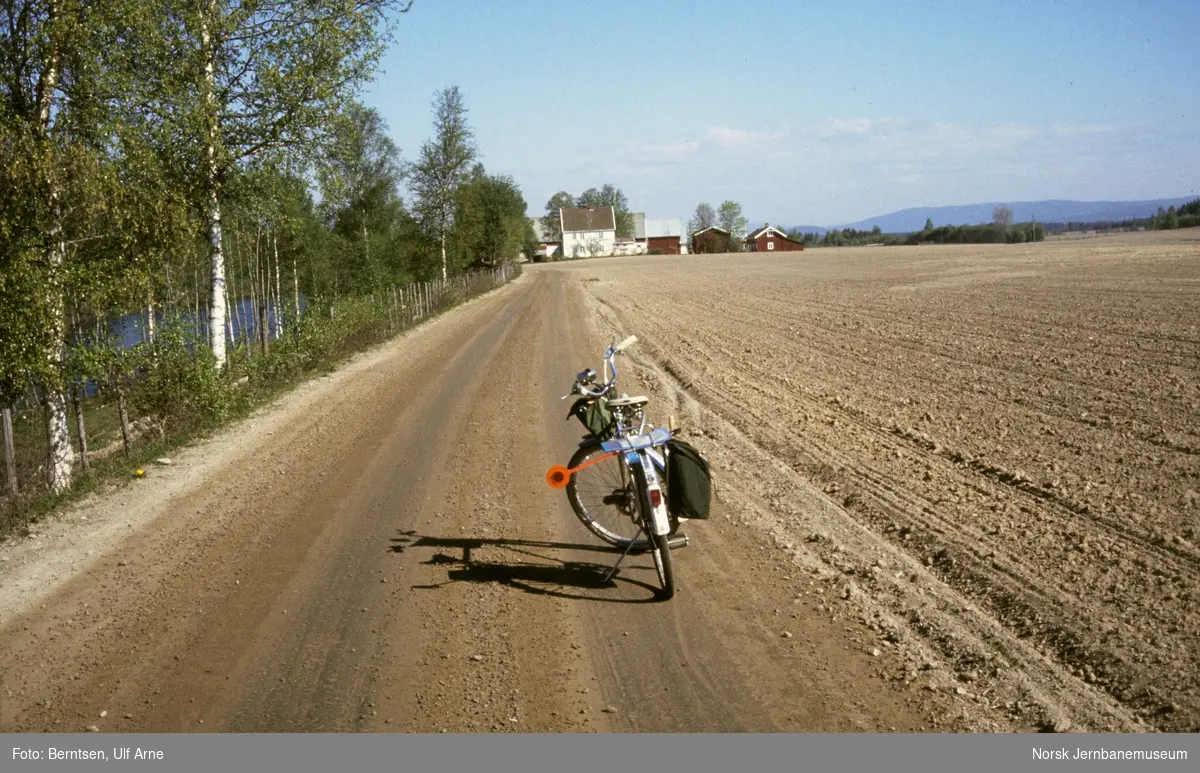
point(1186, 216)
point(199, 162)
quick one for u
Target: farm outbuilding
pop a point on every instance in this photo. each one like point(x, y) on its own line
point(665, 236)
point(771, 239)
point(711, 240)
point(667, 245)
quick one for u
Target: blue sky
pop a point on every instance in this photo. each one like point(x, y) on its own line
point(811, 113)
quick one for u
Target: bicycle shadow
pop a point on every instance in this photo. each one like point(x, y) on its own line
point(538, 571)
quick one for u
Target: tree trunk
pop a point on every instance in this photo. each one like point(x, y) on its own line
point(123, 409)
point(255, 272)
point(217, 305)
point(296, 290)
point(278, 294)
point(10, 461)
point(62, 454)
point(443, 252)
point(196, 328)
point(79, 394)
point(227, 328)
point(150, 316)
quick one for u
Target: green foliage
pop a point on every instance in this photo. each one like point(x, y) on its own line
point(811, 239)
point(179, 383)
point(610, 196)
point(730, 218)
point(991, 233)
point(551, 223)
point(490, 225)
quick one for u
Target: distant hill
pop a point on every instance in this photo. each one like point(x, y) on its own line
point(1048, 211)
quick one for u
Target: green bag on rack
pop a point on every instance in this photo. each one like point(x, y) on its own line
point(594, 414)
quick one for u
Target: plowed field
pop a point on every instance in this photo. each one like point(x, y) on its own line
point(1007, 439)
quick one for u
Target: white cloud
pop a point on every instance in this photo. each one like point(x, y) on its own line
point(728, 137)
point(858, 127)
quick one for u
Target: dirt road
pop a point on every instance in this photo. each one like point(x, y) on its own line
point(379, 552)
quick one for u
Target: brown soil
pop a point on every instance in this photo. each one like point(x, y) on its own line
point(379, 552)
point(1005, 440)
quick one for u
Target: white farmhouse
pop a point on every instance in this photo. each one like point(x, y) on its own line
point(588, 232)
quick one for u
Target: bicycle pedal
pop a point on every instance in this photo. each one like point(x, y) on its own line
point(678, 541)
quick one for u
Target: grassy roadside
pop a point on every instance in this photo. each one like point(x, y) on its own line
point(253, 380)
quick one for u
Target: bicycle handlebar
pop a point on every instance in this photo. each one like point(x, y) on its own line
point(609, 355)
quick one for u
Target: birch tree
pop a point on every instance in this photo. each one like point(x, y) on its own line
point(360, 180)
point(444, 166)
point(54, 77)
point(239, 78)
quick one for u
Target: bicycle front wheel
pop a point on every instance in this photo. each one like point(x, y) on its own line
point(604, 499)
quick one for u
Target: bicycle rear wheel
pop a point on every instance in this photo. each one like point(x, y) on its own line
point(660, 549)
point(604, 499)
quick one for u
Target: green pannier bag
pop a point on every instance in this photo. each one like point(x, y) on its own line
point(594, 414)
point(689, 482)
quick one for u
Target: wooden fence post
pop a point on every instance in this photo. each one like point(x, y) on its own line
point(9, 458)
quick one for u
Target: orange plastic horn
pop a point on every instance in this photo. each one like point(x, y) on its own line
point(558, 476)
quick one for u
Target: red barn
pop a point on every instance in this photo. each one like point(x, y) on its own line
point(711, 240)
point(667, 245)
point(771, 239)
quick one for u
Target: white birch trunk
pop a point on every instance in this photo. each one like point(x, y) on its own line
point(150, 317)
point(278, 294)
point(62, 454)
point(443, 252)
point(296, 291)
point(217, 305)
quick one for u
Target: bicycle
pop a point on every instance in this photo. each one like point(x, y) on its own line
point(615, 479)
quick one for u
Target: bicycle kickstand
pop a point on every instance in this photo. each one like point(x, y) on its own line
point(628, 548)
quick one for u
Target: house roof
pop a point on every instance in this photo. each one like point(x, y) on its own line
point(710, 228)
point(768, 229)
point(757, 232)
point(588, 219)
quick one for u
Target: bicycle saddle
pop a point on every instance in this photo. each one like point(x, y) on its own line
point(623, 401)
